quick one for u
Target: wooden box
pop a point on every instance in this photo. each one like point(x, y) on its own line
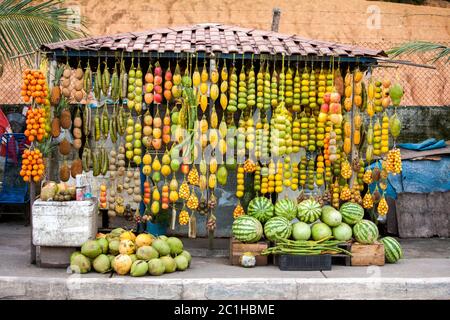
point(367, 254)
point(237, 248)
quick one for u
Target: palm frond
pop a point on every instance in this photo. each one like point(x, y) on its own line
point(24, 26)
point(442, 51)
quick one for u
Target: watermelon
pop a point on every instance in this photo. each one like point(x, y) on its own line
point(260, 208)
point(247, 229)
point(392, 249)
point(365, 232)
point(342, 232)
point(352, 213)
point(309, 211)
point(277, 227)
point(331, 216)
point(286, 208)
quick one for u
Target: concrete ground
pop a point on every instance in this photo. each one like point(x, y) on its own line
point(424, 273)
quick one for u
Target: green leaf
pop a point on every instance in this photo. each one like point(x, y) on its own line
point(25, 26)
point(442, 52)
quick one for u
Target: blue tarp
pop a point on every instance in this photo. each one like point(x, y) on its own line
point(419, 176)
point(428, 144)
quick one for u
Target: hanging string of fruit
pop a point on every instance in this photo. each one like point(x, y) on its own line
point(157, 84)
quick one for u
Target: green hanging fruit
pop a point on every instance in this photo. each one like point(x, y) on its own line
point(395, 125)
point(222, 175)
point(396, 94)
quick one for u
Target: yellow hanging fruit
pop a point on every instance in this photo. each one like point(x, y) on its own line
point(193, 176)
point(368, 201)
point(183, 218)
point(238, 211)
point(346, 170)
point(192, 202)
point(212, 181)
point(346, 194)
point(156, 165)
point(147, 159)
point(204, 75)
point(214, 92)
point(184, 191)
point(213, 165)
point(223, 101)
point(214, 120)
point(367, 178)
point(383, 207)
point(214, 76)
point(156, 196)
point(196, 77)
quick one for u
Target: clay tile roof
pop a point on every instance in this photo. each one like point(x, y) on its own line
point(213, 37)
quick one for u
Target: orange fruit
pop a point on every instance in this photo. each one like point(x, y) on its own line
point(26, 178)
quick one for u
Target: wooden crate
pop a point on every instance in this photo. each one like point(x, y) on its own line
point(237, 248)
point(367, 254)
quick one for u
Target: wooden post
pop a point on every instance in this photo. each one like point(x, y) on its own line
point(276, 14)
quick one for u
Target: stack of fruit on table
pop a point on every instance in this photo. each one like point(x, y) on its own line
point(125, 253)
point(317, 229)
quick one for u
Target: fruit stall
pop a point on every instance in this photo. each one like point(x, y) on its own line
point(283, 143)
